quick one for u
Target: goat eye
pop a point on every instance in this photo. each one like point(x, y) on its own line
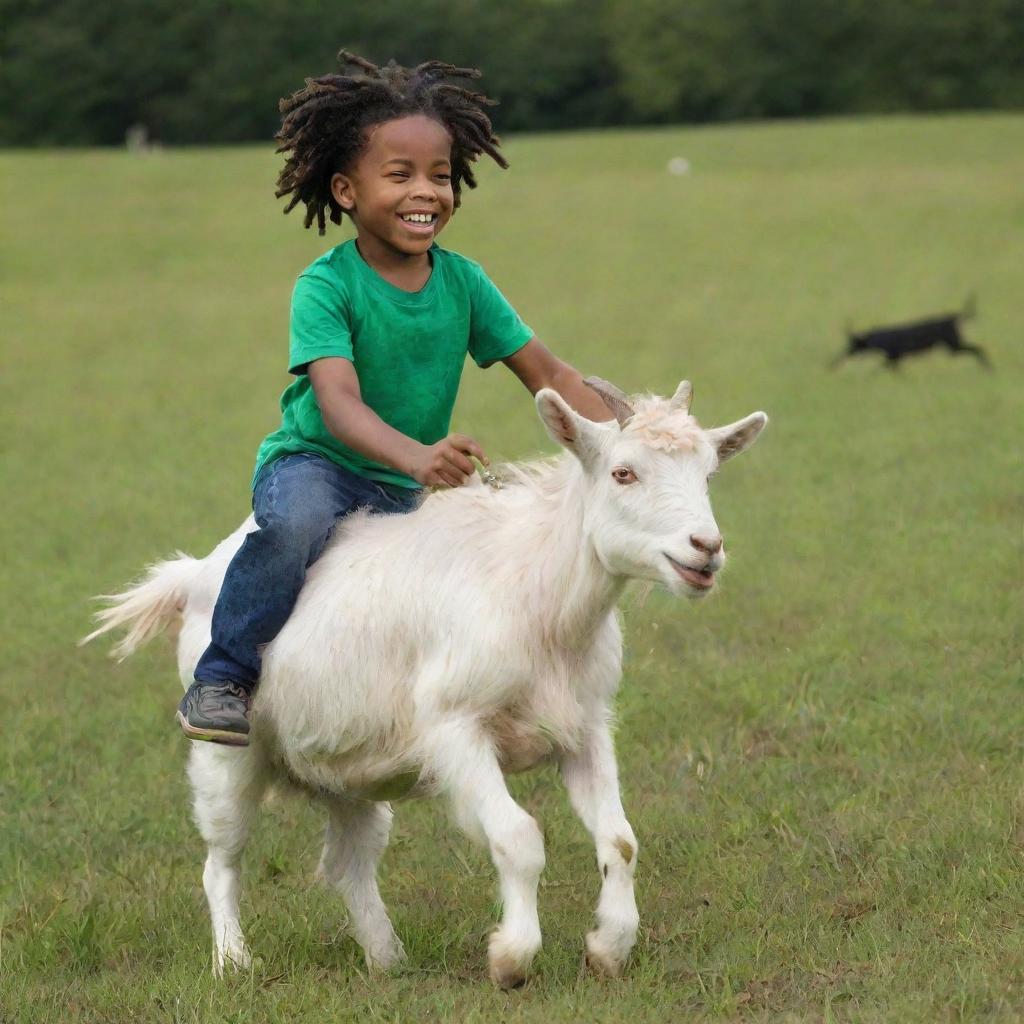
point(624, 475)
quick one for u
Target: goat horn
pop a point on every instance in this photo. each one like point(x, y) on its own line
point(682, 398)
point(615, 398)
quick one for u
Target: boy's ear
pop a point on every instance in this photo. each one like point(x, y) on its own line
point(341, 189)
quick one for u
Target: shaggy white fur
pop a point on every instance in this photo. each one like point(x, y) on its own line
point(435, 652)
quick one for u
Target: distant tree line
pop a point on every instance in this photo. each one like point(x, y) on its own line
point(82, 72)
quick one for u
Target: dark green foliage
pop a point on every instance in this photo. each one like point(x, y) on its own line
point(77, 72)
point(722, 59)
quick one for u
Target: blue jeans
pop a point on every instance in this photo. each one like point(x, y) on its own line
point(297, 501)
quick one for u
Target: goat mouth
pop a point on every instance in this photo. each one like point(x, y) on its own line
point(699, 579)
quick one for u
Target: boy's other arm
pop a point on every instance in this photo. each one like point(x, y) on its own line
point(355, 424)
point(537, 367)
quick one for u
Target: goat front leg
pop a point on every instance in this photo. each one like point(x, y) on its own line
point(592, 780)
point(461, 758)
point(357, 835)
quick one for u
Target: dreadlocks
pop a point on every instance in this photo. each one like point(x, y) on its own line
point(324, 125)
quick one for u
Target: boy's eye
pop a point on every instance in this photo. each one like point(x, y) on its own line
point(443, 177)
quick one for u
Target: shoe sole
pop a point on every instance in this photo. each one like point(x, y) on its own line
point(228, 739)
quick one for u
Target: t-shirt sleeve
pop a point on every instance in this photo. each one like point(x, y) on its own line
point(495, 328)
point(319, 323)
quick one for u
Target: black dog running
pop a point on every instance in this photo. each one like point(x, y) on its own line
point(899, 340)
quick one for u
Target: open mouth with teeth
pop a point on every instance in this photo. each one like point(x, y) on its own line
point(420, 223)
point(699, 579)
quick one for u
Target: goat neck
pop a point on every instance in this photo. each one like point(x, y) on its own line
point(567, 590)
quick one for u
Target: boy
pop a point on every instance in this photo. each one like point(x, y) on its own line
point(380, 328)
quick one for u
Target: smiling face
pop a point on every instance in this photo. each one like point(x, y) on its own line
point(399, 191)
point(647, 510)
point(652, 515)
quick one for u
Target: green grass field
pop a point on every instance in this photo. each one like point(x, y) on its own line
point(823, 763)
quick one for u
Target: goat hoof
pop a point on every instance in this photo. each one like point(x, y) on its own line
point(232, 960)
point(508, 976)
point(509, 964)
point(386, 959)
point(600, 960)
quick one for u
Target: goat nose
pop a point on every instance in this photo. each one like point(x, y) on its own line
point(710, 544)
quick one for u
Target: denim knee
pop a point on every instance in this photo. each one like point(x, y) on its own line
point(298, 538)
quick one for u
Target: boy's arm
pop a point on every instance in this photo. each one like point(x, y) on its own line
point(537, 367)
point(356, 425)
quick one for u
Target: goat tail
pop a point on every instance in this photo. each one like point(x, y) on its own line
point(148, 606)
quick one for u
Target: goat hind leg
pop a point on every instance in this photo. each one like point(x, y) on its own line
point(356, 837)
point(227, 785)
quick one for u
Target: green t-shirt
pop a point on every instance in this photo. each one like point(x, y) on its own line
point(408, 349)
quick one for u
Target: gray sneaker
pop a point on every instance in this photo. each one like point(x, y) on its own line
point(216, 712)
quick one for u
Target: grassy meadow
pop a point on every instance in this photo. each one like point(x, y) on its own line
point(824, 763)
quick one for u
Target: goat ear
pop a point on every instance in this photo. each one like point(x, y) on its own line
point(682, 398)
point(737, 437)
point(565, 426)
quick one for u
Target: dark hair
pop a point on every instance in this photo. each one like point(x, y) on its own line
point(324, 125)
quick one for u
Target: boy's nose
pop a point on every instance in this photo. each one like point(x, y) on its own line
point(423, 190)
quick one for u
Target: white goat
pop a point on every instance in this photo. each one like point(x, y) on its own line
point(437, 651)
